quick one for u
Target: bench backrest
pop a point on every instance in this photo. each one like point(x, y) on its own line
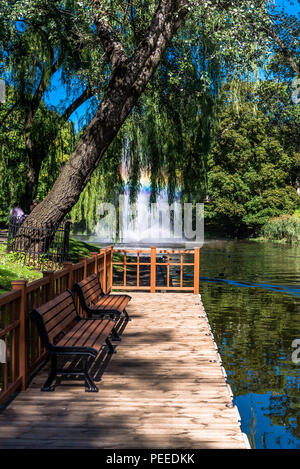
point(55, 317)
point(90, 289)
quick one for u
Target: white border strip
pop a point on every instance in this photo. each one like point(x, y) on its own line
point(246, 440)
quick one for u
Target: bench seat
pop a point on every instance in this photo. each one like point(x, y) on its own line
point(95, 302)
point(112, 302)
point(87, 333)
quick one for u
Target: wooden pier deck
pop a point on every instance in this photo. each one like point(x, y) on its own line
point(163, 389)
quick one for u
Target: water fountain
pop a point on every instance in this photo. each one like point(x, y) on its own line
point(144, 223)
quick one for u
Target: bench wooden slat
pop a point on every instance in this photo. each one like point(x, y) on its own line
point(91, 288)
point(71, 339)
point(68, 312)
point(89, 328)
point(62, 325)
point(51, 304)
point(107, 302)
point(63, 342)
point(115, 303)
point(52, 313)
point(100, 334)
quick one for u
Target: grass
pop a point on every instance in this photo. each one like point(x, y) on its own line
point(12, 267)
point(78, 249)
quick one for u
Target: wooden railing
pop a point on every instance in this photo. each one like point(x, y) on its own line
point(24, 353)
point(155, 266)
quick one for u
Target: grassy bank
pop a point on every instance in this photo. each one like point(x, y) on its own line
point(262, 239)
point(78, 249)
point(12, 268)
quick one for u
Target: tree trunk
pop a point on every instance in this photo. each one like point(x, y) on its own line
point(128, 80)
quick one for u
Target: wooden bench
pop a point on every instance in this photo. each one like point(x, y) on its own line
point(95, 302)
point(64, 333)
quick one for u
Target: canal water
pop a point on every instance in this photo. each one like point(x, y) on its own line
point(251, 294)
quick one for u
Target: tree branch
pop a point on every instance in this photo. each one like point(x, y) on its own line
point(287, 54)
point(112, 45)
point(169, 15)
point(80, 100)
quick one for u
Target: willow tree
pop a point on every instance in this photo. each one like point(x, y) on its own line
point(129, 76)
point(38, 41)
point(130, 70)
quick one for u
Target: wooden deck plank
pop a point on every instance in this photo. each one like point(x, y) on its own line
point(163, 389)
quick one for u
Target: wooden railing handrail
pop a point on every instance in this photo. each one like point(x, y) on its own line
point(9, 296)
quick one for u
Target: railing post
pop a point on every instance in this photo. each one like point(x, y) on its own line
point(153, 270)
point(105, 271)
point(95, 256)
point(104, 278)
point(84, 260)
point(22, 285)
point(69, 266)
point(196, 270)
point(50, 275)
point(110, 285)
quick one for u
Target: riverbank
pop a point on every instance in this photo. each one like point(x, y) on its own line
point(261, 239)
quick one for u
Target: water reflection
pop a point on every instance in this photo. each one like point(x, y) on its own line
point(254, 329)
point(279, 288)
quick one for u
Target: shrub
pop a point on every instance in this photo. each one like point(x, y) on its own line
point(285, 227)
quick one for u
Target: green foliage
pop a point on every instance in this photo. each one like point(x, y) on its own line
point(253, 165)
point(105, 186)
point(250, 170)
point(59, 150)
point(14, 159)
point(284, 227)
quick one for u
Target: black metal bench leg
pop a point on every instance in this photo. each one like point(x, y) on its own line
point(127, 317)
point(111, 348)
point(47, 386)
point(114, 335)
point(90, 385)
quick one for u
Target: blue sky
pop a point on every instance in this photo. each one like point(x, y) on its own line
point(58, 94)
point(292, 7)
point(58, 98)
